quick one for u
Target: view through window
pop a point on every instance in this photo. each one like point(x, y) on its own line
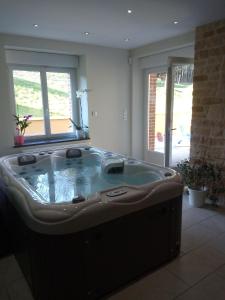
point(47, 96)
point(182, 112)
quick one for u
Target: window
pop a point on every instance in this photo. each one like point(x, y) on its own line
point(46, 94)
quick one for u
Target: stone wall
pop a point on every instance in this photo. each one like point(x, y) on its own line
point(208, 113)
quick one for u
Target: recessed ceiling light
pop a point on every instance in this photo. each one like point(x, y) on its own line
point(86, 33)
point(175, 22)
point(35, 26)
point(126, 40)
point(129, 11)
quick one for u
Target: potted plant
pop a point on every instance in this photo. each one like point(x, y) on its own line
point(196, 175)
point(21, 125)
point(216, 185)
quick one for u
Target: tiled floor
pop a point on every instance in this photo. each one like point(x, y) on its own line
point(197, 274)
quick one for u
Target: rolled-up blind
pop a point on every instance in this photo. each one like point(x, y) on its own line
point(21, 57)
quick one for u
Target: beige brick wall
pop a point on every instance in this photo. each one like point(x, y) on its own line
point(208, 113)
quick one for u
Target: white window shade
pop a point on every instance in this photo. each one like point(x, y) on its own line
point(19, 57)
point(161, 59)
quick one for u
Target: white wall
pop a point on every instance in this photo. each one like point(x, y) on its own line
point(107, 74)
point(147, 57)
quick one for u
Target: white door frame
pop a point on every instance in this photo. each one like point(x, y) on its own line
point(154, 156)
point(169, 104)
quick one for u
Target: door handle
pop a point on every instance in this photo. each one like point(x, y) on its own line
point(173, 129)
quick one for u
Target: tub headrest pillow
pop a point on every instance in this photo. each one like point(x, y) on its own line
point(73, 152)
point(113, 165)
point(26, 159)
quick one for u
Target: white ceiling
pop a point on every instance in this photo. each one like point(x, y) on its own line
point(107, 20)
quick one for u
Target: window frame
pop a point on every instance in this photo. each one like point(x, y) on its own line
point(48, 136)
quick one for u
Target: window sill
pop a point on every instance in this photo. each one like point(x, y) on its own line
point(47, 142)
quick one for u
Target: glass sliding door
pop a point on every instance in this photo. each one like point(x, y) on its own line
point(156, 116)
point(168, 112)
point(179, 110)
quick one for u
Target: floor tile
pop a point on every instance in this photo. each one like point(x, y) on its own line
point(206, 211)
point(210, 288)
point(4, 294)
point(132, 292)
point(19, 290)
point(9, 270)
point(215, 223)
point(221, 271)
point(160, 285)
point(195, 265)
point(218, 242)
point(194, 216)
point(189, 218)
point(185, 205)
point(185, 202)
point(214, 257)
point(194, 237)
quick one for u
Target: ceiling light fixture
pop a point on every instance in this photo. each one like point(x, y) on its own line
point(175, 22)
point(129, 11)
point(126, 40)
point(86, 33)
point(35, 26)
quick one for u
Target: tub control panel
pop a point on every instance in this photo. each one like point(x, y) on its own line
point(116, 193)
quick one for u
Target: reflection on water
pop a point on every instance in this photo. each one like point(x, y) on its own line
point(60, 180)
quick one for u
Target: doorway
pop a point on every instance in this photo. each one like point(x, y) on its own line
point(168, 112)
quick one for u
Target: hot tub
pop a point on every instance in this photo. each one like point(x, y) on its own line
point(86, 221)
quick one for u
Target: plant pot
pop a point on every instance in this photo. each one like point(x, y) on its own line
point(197, 197)
point(19, 140)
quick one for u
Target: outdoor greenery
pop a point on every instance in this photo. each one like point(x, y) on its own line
point(18, 82)
point(161, 83)
point(24, 110)
point(29, 99)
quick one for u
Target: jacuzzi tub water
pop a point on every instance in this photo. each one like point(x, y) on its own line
point(46, 191)
point(57, 179)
